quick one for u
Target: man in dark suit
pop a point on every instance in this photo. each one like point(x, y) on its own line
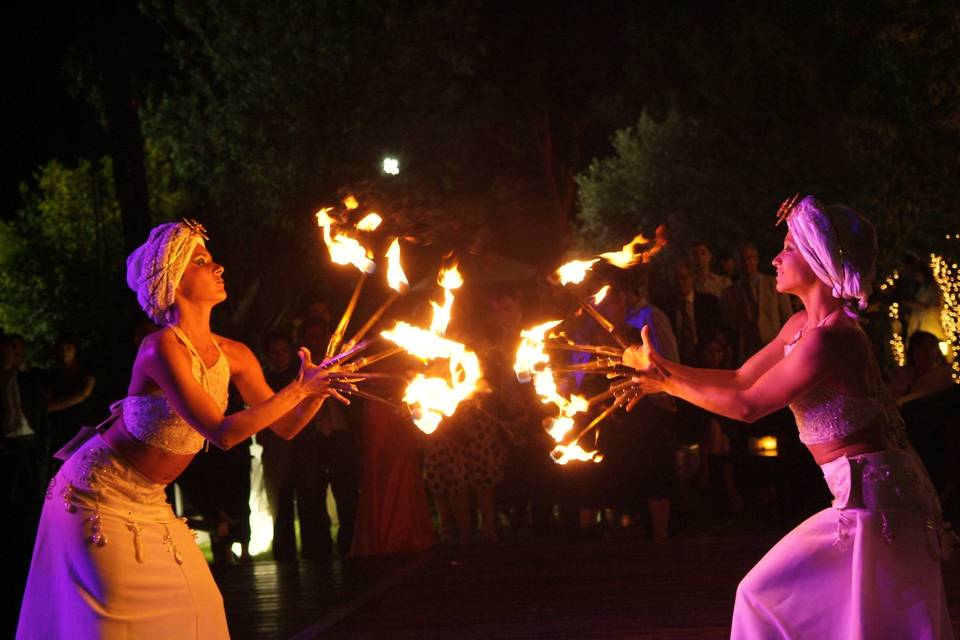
point(691, 313)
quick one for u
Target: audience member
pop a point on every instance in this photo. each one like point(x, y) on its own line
point(705, 280)
point(692, 313)
point(727, 266)
point(279, 472)
point(327, 452)
point(393, 515)
point(753, 310)
point(23, 462)
point(528, 491)
point(69, 388)
point(926, 372)
point(463, 461)
point(718, 474)
point(641, 312)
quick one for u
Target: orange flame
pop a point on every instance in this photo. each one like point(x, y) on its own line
point(449, 279)
point(430, 399)
point(350, 202)
point(562, 454)
point(628, 256)
point(533, 363)
point(370, 222)
point(574, 271)
point(600, 295)
point(396, 278)
point(343, 249)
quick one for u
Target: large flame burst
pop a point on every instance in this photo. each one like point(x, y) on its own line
point(575, 271)
point(431, 399)
point(343, 248)
point(533, 363)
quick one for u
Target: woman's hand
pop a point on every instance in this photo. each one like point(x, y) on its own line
point(316, 381)
point(642, 357)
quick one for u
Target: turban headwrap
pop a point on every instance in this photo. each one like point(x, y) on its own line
point(840, 246)
point(155, 268)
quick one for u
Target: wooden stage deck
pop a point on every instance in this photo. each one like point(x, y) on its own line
point(623, 588)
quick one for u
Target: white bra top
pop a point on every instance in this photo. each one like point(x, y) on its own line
point(824, 414)
point(151, 419)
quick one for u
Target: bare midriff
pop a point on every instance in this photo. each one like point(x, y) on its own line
point(157, 465)
point(869, 440)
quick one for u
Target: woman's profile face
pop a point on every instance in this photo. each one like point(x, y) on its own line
point(793, 272)
point(202, 280)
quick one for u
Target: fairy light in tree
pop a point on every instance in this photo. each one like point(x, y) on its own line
point(947, 277)
point(890, 281)
point(896, 342)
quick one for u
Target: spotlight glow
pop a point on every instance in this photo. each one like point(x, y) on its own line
point(391, 166)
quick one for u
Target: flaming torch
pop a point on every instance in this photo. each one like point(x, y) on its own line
point(532, 363)
point(430, 399)
point(344, 250)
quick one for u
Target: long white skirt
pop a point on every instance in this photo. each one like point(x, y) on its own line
point(868, 567)
point(111, 559)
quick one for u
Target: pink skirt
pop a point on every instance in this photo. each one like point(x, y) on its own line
point(868, 567)
point(111, 559)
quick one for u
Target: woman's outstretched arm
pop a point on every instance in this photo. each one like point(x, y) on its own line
point(741, 378)
point(249, 380)
point(163, 359)
point(791, 377)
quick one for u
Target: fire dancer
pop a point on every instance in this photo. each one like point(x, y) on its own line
point(111, 559)
point(869, 567)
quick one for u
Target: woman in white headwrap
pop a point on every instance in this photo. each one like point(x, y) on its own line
point(869, 566)
point(111, 559)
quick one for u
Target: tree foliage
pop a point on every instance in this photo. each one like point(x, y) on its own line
point(62, 255)
point(856, 104)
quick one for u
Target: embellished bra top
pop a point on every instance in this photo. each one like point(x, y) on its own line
point(824, 414)
point(152, 420)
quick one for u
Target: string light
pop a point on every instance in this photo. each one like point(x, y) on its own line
point(896, 342)
point(947, 277)
point(890, 281)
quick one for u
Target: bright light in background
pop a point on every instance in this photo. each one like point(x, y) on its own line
point(391, 166)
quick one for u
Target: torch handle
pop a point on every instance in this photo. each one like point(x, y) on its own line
point(337, 336)
point(371, 321)
point(611, 352)
point(606, 413)
point(603, 322)
point(366, 361)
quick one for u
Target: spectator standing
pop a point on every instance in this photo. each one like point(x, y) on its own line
point(753, 309)
point(327, 454)
point(23, 463)
point(530, 477)
point(705, 280)
point(279, 472)
point(926, 373)
point(69, 388)
point(692, 313)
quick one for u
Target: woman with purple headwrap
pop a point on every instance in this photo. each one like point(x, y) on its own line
point(111, 559)
point(870, 565)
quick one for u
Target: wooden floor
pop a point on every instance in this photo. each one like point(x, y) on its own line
point(524, 588)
